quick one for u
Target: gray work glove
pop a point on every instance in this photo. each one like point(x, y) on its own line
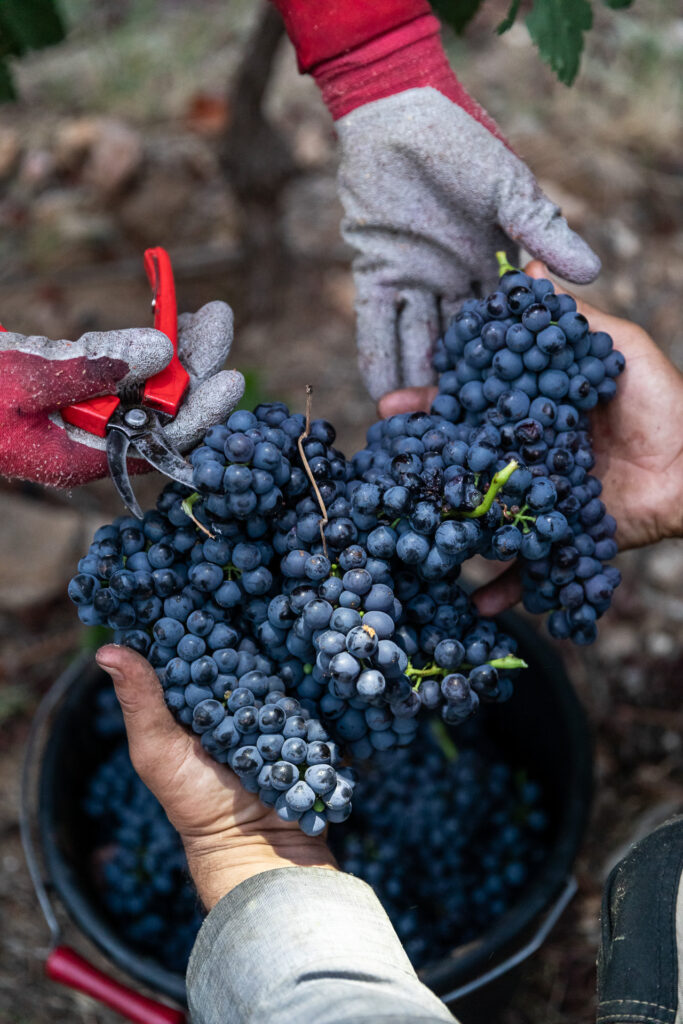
point(40, 376)
point(429, 196)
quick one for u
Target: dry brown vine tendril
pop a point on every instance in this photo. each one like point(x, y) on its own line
point(324, 520)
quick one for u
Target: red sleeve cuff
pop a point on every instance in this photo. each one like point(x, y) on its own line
point(323, 29)
point(409, 57)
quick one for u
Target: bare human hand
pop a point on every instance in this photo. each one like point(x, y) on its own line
point(637, 441)
point(228, 834)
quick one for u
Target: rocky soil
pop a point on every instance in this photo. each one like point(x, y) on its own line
point(115, 145)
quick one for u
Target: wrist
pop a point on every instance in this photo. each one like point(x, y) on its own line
point(408, 57)
point(219, 863)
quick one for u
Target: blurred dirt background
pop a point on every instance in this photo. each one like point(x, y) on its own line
point(134, 133)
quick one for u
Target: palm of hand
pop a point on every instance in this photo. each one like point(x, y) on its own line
point(638, 438)
point(203, 799)
point(227, 832)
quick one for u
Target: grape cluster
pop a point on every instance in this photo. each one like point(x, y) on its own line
point(519, 372)
point(371, 662)
point(338, 652)
point(137, 861)
point(300, 608)
point(285, 646)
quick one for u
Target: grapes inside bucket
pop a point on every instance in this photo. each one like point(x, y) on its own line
point(468, 862)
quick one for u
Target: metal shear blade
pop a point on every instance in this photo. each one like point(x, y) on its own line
point(117, 449)
point(142, 428)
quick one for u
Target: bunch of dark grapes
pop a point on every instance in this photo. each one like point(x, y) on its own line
point(300, 609)
point(138, 863)
point(284, 638)
point(519, 372)
point(446, 840)
point(367, 668)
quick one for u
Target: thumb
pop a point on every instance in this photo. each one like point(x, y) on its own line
point(210, 402)
point(406, 400)
point(57, 373)
point(205, 338)
point(150, 726)
point(528, 216)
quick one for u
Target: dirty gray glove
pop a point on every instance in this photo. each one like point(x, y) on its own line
point(40, 376)
point(430, 195)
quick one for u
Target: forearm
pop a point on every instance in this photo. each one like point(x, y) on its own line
point(298, 945)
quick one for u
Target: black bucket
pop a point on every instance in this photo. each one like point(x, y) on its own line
point(541, 729)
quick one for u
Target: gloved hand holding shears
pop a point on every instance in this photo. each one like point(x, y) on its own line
point(430, 187)
point(53, 430)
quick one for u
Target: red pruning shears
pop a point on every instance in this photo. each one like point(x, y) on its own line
point(137, 417)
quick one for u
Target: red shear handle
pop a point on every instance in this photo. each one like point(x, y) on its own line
point(67, 967)
point(92, 414)
point(165, 390)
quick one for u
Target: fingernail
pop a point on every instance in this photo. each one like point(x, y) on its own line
point(101, 659)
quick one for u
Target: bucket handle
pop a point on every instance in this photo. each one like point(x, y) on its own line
point(542, 933)
point(63, 964)
point(70, 968)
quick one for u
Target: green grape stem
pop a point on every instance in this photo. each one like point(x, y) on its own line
point(504, 264)
point(187, 505)
point(428, 670)
point(443, 738)
point(521, 518)
point(421, 673)
point(498, 481)
point(510, 661)
point(431, 670)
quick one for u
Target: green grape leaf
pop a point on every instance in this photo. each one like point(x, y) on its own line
point(509, 19)
point(456, 13)
point(29, 25)
point(7, 91)
point(25, 25)
point(557, 27)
